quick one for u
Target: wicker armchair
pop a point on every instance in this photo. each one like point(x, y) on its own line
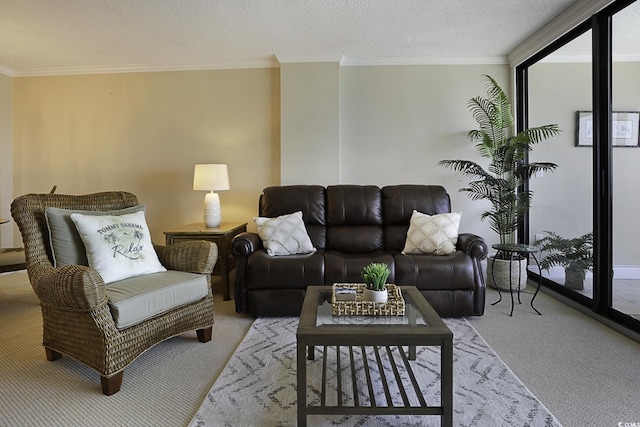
point(77, 321)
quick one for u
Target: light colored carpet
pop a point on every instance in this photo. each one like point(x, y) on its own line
point(258, 386)
point(583, 371)
point(163, 387)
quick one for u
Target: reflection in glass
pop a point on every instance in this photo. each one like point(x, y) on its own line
point(626, 174)
point(560, 92)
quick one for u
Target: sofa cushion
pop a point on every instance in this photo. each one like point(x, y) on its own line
point(354, 218)
point(136, 299)
point(118, 246)
point(284, 235)
point(398, 204)
point(432, 234)
point(343, 267)
point(66, 245)
point(427, 272)
point(309, 199)
point(288, 272)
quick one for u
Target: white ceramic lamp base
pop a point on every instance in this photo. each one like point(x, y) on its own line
point(212, 214)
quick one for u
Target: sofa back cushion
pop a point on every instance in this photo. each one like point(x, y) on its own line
point(399, 202)
point(354, 218)
point(309, 199)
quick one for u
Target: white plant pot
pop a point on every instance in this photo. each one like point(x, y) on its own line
point(375, 296)
point(499, 268)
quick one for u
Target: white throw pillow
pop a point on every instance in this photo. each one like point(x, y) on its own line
point(432, 234)
point(119, 246)
point(284, 235)
point(66, 244)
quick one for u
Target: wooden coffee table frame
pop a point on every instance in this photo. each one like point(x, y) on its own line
point(435, 333)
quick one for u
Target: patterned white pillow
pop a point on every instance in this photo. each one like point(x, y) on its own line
point(118, 247)
point(432, 234)
point(284, 235)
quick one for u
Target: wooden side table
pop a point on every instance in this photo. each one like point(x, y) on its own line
point(221, 236)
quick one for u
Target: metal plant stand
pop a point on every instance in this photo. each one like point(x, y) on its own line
point(514, 250)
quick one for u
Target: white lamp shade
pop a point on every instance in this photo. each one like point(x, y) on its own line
point(211, 177)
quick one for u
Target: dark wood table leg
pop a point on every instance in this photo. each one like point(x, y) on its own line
point(302, 384)
point(446, 360)
point(224, 267)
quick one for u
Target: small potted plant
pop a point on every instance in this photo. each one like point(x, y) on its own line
point(575, 255)
point(375, 278)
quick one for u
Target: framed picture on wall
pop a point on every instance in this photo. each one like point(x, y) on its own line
point(624, 124)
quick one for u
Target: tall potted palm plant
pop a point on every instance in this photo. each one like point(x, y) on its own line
point(502, 183)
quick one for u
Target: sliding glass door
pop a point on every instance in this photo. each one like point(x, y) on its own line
point(625, 160)
point(588, 83)
point(560, 92)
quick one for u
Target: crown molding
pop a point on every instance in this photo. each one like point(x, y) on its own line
point(6, 71)
point(273, 62)
point(422, 60)
point(573, 16)
point(328, 57)
point(218, 65)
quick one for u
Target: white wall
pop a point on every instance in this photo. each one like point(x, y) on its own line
point(399, 121)
point(310, 125)
point(563, 201)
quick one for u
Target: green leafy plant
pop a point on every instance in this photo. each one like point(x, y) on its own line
point(375, 275)
point(502, 184)
point(574, 254)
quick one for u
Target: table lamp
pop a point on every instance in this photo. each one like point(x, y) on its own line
point(211, 178)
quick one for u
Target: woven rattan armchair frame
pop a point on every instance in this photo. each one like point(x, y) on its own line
point(76, 319)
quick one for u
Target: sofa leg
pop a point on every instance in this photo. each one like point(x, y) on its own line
point(52, 354)
point(111, 385)
point(204, 335)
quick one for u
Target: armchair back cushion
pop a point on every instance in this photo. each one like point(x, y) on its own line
point(66, 245)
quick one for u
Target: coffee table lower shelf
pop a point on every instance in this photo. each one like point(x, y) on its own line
point(373, 338)
point(413, 401)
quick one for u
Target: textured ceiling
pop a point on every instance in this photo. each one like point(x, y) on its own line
point(51, 36)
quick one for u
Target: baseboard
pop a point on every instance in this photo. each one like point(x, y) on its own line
point(620, 272)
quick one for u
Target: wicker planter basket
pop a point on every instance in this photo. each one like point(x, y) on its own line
point(573, 279)
point(394, 306)
point(500, 269)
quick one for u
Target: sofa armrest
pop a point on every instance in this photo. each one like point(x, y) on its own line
point(194, 256)
point(245, 244)
point(70, 287)
point(472, 245)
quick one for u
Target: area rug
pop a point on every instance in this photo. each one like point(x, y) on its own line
point(258, 385)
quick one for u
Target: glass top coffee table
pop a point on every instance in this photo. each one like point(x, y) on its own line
point(360, 347)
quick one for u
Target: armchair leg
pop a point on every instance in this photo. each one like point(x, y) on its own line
point(204, 335)
point(111, 385)
point(52, 354)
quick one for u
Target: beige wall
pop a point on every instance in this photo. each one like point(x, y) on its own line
point(143, 132)
point(6, 157)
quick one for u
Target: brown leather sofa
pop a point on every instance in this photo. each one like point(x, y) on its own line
point(350, 226)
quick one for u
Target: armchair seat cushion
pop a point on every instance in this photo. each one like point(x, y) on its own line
point(138, 298)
